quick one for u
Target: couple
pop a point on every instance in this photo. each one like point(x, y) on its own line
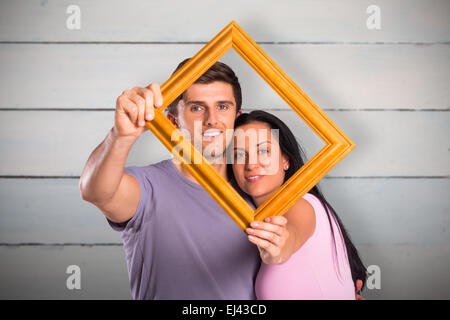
point(179, 243)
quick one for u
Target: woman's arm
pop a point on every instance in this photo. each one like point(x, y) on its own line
point(278, 237)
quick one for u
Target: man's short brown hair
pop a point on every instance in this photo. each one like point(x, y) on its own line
point(217, 72)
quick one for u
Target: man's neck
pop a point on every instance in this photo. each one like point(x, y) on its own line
point(221, 169)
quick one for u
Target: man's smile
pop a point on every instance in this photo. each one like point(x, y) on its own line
point(211, 134)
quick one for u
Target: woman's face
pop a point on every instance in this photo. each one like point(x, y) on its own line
point(259, 165)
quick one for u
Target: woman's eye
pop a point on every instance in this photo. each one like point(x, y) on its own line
point(263, 151)
point(239, 155)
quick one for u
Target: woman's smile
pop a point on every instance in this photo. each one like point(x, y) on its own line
point(254, 178)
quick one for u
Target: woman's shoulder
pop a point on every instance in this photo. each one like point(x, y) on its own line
point(309, 203)
point(313, 200)
point(308, 214)
point(316, 204)
point(302, 217)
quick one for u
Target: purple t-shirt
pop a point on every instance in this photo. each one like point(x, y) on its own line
point(180, 244)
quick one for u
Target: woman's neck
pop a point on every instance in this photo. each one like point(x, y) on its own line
point(261, 199)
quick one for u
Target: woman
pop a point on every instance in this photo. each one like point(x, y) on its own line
point(307, 253)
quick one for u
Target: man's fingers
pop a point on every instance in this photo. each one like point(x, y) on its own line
point(133, 108)
point(140, 104)
point(157, 95)
point(149, 103)
point(129, 107)
point(359, 284)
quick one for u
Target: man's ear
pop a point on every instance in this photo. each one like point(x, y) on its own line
point(173, 119)
point(238, 113)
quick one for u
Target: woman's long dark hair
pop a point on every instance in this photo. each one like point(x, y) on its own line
point(290, 147)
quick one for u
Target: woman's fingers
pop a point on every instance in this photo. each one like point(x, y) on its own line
point(266, 245)
point(278, 220)
point(278, 226)
point(272, 237)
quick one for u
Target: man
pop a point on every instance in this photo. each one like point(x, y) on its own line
point(179, 243)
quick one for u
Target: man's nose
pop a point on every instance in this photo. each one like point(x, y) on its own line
point(211, 117)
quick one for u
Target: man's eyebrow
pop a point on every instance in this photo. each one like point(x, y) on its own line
point(204, 103)
point(226, 102)
point(195, 102)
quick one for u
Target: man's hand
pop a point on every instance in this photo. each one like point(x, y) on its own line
point(272, 239)
point(359, 284)
point(134, 107)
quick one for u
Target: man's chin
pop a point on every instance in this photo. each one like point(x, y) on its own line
point(215, 157)
point(213, 150)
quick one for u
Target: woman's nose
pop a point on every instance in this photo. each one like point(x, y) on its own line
point(252, 163)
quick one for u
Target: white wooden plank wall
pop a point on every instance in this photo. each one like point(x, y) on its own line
point(388, 89)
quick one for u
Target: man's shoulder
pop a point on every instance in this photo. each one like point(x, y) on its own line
point(154, 170)
point(151, 169)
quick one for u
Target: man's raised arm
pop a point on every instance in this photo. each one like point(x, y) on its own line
point(103, 181)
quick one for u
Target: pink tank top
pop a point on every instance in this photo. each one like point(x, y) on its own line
point(314, 271)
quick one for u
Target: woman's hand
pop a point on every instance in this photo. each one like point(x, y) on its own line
point(273, 239)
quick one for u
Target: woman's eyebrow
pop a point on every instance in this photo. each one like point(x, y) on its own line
point(235, 148)
point(264, 142)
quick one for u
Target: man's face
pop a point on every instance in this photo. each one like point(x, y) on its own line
point(207, 113)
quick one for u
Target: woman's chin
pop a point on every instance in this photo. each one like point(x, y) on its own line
point(257, 192)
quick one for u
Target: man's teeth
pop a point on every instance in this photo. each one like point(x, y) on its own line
point(211, 133)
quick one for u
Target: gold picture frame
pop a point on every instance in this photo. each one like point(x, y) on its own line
point(337, 144)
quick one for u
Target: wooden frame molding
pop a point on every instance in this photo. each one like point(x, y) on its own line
point(337, 144)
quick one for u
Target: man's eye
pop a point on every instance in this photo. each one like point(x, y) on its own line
point(223, 107)
point(196, 108)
